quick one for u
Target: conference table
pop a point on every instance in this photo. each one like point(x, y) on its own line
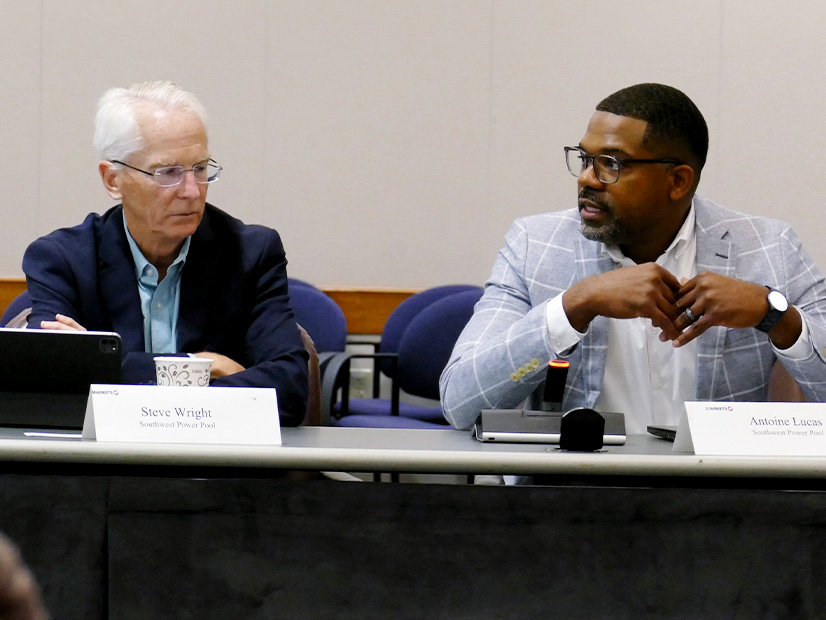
point(130, 530)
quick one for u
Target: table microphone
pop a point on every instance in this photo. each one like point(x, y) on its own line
point(555, 385)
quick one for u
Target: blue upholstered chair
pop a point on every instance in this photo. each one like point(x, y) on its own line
point(317, 313)
point(385, 357)
point(323, 330)
point(429, 339)
point(414, 349)
point(17, 311)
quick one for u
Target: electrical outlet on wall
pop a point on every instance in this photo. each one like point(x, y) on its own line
point(361, 383)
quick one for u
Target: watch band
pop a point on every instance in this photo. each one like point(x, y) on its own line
point(778, 304)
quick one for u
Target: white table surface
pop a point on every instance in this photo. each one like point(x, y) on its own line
point(422, 451)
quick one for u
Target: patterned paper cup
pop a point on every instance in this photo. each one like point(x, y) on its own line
point(191, 371)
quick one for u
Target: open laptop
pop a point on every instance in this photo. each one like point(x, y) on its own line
point(45, 375)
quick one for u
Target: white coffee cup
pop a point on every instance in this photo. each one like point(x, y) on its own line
point(184, 371)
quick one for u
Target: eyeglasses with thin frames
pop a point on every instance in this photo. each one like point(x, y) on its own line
point(170, 176)
point(607, 168)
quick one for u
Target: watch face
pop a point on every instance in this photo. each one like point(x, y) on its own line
point(778, 302)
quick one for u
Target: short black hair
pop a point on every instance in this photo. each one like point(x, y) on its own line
point(670, 114)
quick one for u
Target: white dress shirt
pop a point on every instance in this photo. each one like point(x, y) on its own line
point(160, 301)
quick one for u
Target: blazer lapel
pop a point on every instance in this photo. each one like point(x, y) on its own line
point(591, 260)
point(119, 285)
point(715, 252)
point(193, 314)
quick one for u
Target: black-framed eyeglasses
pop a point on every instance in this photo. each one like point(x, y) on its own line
point(607, 168)
point(170, 176)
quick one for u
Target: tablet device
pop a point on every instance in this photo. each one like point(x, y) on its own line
point(45, 374)
point(529, 426)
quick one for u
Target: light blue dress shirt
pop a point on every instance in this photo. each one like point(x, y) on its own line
point(160, 302)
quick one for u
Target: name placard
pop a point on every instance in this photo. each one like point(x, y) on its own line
point(754, 429)
point(166, 414)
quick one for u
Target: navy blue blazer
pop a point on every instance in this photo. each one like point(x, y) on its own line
point(234, 299)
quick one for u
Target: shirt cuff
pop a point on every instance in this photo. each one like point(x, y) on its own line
point(800, 349)
point(562, 335)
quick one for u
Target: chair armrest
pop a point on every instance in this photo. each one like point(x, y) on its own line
point(19, 320)
point(335, 375)
point(376, 368)
point(373, 342)
point(324, 357)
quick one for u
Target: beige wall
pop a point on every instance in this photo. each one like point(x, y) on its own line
point(392, 142)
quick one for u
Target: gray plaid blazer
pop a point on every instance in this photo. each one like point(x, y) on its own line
point(545, 254)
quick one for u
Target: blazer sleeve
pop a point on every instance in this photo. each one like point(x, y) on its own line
point(51, 282)
point(501, 355)
point(804, 286)
point(61, 280)
point(273, 346)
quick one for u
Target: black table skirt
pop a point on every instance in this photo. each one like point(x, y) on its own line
point(156, 548)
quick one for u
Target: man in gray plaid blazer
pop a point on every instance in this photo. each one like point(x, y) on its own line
point(653, 294)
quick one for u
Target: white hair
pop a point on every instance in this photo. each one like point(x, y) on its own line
point(117, 135)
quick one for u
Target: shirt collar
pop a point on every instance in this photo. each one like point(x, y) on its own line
point(141, 264)
point(679, 244)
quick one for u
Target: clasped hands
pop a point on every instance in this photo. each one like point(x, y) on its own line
point(651, 292)
point(221, 364)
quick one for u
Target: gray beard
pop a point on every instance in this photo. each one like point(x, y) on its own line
point(610, 233)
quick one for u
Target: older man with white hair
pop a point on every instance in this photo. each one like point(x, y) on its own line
point(169, 272)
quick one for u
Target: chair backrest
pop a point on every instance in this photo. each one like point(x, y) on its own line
point(406, 311)
point(428, 341)
point(318, 314)
point(17, 311)
point(293, 282)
